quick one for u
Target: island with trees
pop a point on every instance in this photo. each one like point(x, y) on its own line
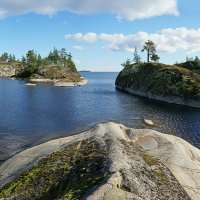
point(57, 67)
point(177, 84)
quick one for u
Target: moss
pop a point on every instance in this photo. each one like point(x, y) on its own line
point(150, 160)
point(68, 173)
point(159, 174)
point(160, 79)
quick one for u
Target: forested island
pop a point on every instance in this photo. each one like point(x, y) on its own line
point(178, 83)
point(57, 67)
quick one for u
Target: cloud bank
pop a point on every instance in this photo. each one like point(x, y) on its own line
point(128, 9)
point(167, 40)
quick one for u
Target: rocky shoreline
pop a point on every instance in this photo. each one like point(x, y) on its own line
point(57, 75)
point(175, 84)
point(54, 82)
point(59, 83)
point(108, 161)
point(167, 99)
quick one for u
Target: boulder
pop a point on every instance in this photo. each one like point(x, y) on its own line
point(109, 161)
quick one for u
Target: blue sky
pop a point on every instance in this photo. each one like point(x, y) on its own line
point(101, 34)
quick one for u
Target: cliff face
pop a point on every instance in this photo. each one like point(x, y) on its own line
point(170, 83)
point(110, 161)
point(10, 70)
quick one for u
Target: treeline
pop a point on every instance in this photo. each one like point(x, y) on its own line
point(58, 57)
point(195, 59)
point(150, 48)
point(30, 63)
point(7, 58)
point(32, 59)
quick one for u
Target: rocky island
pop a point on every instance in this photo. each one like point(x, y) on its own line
point(109, 161)
point(178, 84)
point(57, 68)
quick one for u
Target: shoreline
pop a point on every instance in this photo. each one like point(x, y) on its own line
point(56, 83)
point(175, 153)
point(59, 82)
point(166, 99)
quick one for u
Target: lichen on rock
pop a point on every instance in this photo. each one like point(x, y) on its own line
point(103, 163)
point(68, 173)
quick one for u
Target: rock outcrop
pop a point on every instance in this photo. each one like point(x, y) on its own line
point(175, 84)
point(56, 74)
point(110, 161)
point(7, 71)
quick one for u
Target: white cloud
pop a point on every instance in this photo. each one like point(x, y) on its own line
point(88, 37)
point(77, 47)
point(167, 40)
point(129, 9)
point(119, 18)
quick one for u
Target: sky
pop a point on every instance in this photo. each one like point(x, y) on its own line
point(101, 34)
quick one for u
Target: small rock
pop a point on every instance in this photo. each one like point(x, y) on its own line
point(149, 122)
point(30, 84)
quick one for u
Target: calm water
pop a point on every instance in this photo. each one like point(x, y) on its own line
point(31, 115)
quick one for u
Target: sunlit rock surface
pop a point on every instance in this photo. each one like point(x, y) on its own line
point(109, 161)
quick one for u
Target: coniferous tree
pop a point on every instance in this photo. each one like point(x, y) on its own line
point(39, 60)
point(137, 58)
point(31, 59)
point(10, 58)
point(4, 57)
point(155, 57)
point(127, 63)
point(23, 59)
point(197, 59)
point(150, 48)
point(63, 57)
point(14, 58)
point(55, 56)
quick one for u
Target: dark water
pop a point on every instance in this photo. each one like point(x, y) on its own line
point(31, 115)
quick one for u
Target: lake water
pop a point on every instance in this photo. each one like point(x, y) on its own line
point(32, 115)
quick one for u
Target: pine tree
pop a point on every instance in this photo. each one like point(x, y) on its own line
point(127, 63)
point(137, 58)
point(31, 59)
point(39, 60)
point(150, 48)
point(10, 58)
point(23, 59)
point(155, 57)
point(55, 55)
point(63, 57)
point(5, 57)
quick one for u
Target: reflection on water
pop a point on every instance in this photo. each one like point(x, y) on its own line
point(31, 115)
